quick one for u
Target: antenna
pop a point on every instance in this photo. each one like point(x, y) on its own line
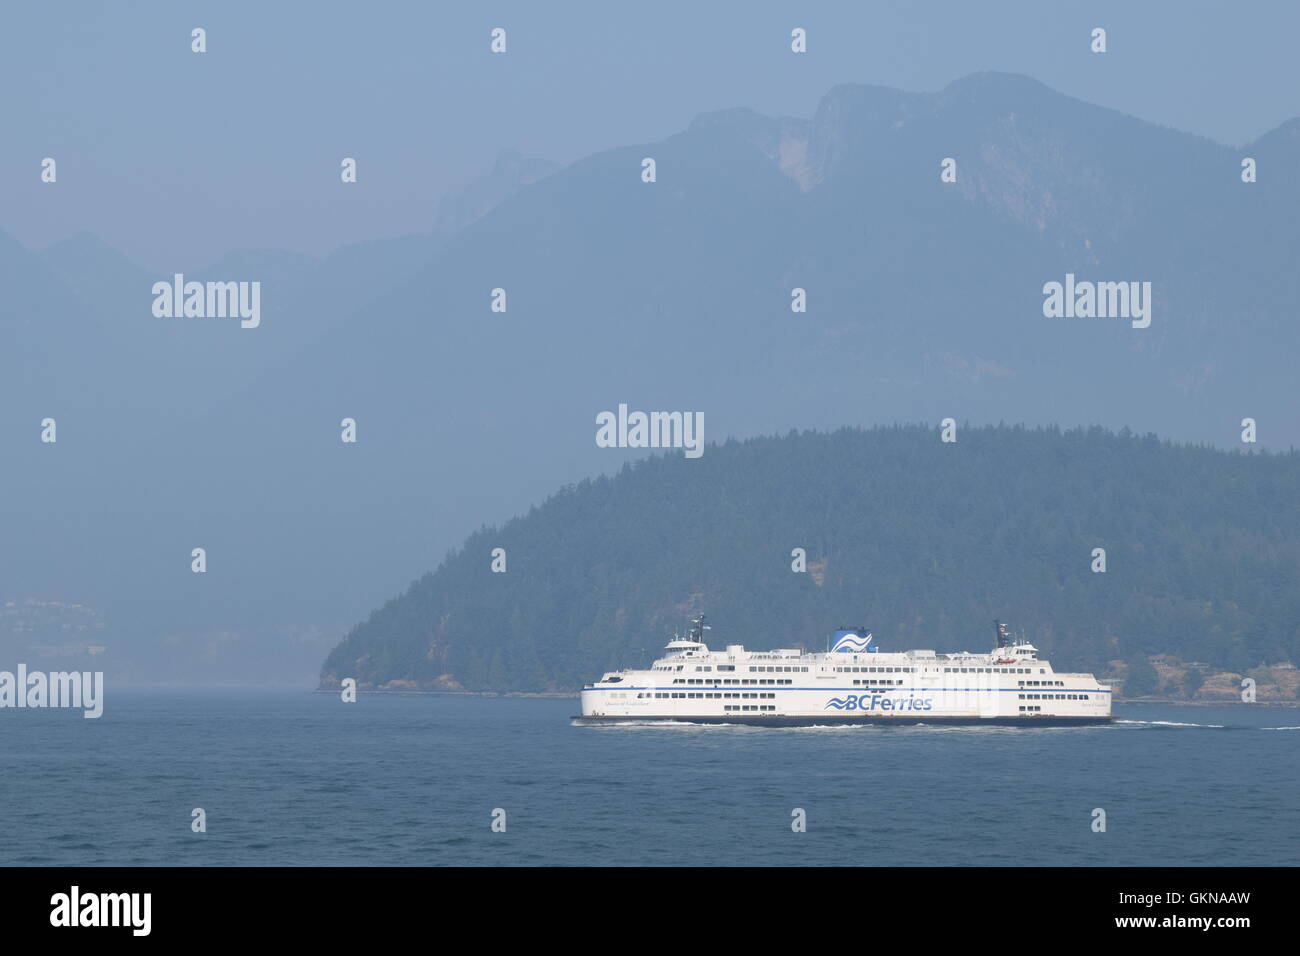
point(698, 627)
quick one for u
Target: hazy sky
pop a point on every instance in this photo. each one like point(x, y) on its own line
point(175, 157)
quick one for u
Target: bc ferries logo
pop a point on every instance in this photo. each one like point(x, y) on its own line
point(848, 642)
point(879, 702)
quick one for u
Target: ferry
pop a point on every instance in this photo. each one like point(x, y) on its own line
point(853, 682)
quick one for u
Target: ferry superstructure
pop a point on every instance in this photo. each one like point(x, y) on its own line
point(851, 683)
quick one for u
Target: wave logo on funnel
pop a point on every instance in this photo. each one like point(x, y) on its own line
point(850, 642)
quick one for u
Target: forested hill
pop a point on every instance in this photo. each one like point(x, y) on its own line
point(922, 541)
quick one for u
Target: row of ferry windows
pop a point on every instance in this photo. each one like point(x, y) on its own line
point(732, 667)
point(711, 681)
point(1054, 697)
point(749, 707)
point(870, 680)
point(705, 668)
point(755, 696)
point(946, 670)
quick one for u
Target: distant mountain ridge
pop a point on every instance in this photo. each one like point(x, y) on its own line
point(510, 172)
point(924, 301)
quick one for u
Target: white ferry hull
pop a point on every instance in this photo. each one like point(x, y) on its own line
point(827, 720)
point(838, 706)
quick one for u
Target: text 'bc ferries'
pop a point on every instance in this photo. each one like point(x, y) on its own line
point(852, 683)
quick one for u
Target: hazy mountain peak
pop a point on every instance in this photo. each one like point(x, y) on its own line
point(1285, 137)
point(511, 171)
point(784, 140)
point(997, 83)
point(84, 253)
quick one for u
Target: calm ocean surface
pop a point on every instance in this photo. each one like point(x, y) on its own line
point(293, 778)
